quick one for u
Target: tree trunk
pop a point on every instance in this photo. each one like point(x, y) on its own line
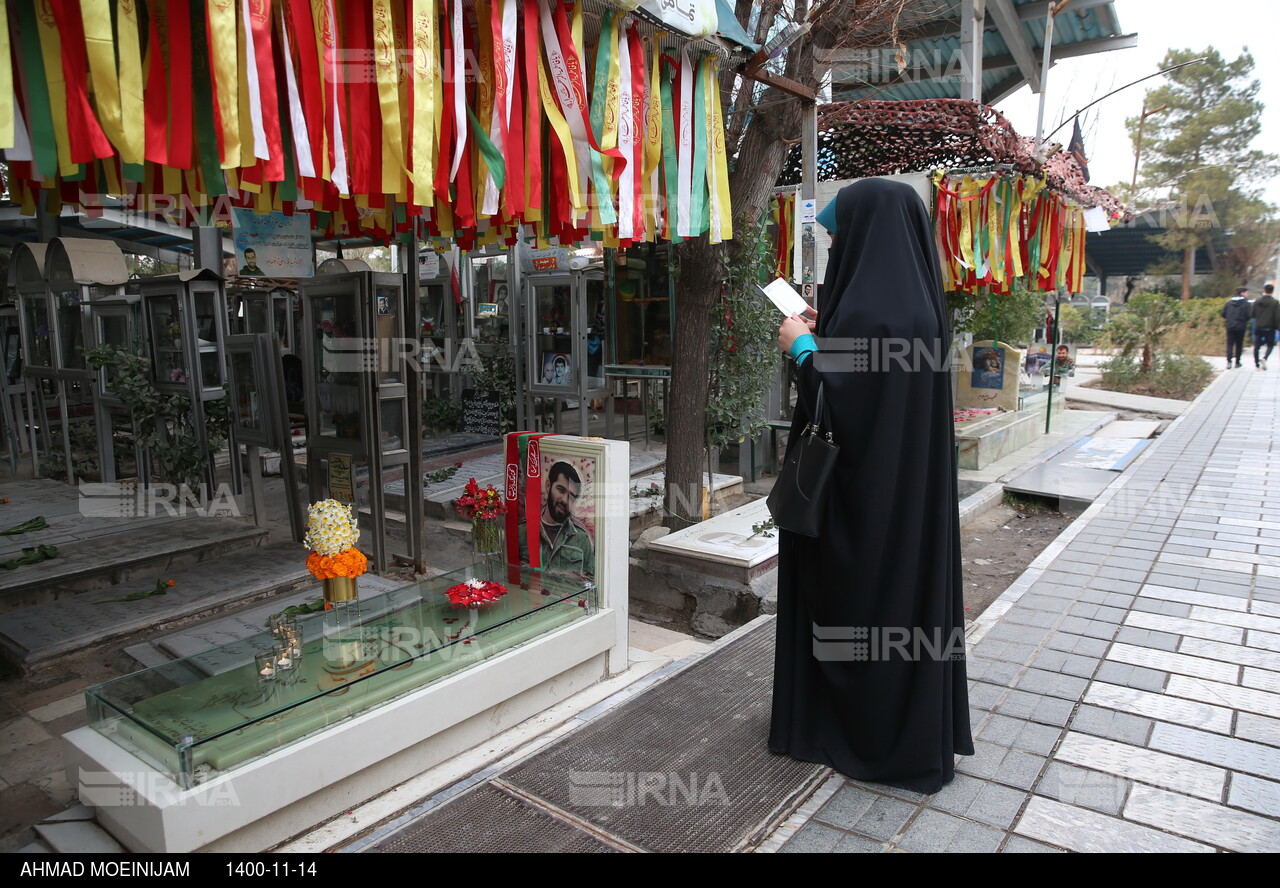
point(1188, 269)
point(759, 162)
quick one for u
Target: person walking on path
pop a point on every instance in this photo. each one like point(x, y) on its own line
point(1266, 316)
point(1236, 314)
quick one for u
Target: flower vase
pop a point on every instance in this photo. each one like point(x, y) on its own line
point(486, 546)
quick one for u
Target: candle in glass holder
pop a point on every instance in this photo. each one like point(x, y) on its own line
point(265, 665)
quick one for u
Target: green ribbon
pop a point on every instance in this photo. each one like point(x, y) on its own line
point(37, 523)
point(699, 206)
point(670, 158)
point(492, 156)
point(32, 555)
point(215, 184)
point(44, 146)
point(600, 98)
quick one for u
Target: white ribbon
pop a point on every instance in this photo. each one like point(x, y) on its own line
point(338, 175)
point(684, 172)
point(459, 91)
point(626, 141)
point(301, 139)
point(260, 149)
point(568, 96)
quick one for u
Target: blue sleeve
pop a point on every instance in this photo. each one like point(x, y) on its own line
point(803, 346)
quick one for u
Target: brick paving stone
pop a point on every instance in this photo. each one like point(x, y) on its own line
point(846, 807)
point(936, 832)
point(1238, 755)
point(1083, 787)
point(1082, 830)
point(1259, 796)
point(1108, 723)
point(1019, 845)
point(1248, 699)
point(1159, 706)
point(1177, 626)
point(1258, 728)
point(1231, 653)
point(1201, 820)
point(1143, 765)
point(884, 819)
point(1038, 681)
point(983, 695)
point(813, 838)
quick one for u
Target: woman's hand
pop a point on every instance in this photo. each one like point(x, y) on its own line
point(792, 328)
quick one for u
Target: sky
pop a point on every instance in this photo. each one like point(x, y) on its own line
point(1230, 26)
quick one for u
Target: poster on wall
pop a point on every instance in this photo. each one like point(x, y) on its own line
point(272, 244)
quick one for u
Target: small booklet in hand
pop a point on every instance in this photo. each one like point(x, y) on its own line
point(784, 296)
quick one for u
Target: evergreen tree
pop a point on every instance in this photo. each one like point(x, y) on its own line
point(1198, 161)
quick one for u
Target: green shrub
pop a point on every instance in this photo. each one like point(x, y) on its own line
point(1173, 375)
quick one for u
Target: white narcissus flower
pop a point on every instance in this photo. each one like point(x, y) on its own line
point(331, 527)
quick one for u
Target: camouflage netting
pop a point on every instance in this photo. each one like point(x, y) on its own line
point(878, 138)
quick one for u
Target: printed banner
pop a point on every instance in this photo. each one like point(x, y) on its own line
point(273, 244)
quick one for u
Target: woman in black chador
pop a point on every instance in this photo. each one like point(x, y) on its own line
point(869, 671)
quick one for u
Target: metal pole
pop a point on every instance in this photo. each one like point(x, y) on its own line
point(972, 18)
point(1053, 358)
point(1044, 72)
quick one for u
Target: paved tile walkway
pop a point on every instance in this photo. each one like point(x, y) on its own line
point(1125, 692)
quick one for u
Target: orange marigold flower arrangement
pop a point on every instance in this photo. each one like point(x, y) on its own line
point(332, 532)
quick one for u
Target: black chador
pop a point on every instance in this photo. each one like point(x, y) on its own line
point(870, 673)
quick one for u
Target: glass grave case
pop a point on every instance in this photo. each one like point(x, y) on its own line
point(200, 716)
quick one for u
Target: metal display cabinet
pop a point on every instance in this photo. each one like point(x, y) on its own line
point(363, 393)
point(89, 307)
point(277, 311)
point(186, 323)
point(19, 429)
point(565, 342)
point(641, 327)
point(35, 388)
point(439, 316)
point(259, 418)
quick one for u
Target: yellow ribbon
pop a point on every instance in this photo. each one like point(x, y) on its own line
point(564, 136)
point(320, 24)
point(51, 56)
point(967, 189)
point(1015, 228)
point(424, 88)
point(246, 158)
point(720, 187)
point(7, 130)
point(384, 60)
point(224, 50)
point(653, 145)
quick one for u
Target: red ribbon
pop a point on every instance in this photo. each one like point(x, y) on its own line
point(88, 141)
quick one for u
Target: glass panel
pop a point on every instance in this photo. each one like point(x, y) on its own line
point(393, 425)
point(280, 315)
point(255, 313)
point(70, 329)
point(166, 336)
point(248, 407)
point(554, 354)
point(36, 318)
point(597, 353)
point(122, 443)
point(391, 354)
point(337, 364)
point(207, 338)
point(10, 349)
point(436, 325)
point(642, 319)
point(491, 297)
point(225, 709)
point(113, 329)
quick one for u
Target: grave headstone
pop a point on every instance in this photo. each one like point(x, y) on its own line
point(481, 413)
point(988, 376)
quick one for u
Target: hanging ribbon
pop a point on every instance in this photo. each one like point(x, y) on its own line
point(718, 186)
point(424, 107)
point(8, 107)
point(603, 117)
point(672, 212)
point(698, 134)
point(626, 144)
point(684, 135)
point(220, 16)
point(639, 109)
point(459, 97)
point(50, 53)
point(385, 65)
point(533, 114)
point(336, 115)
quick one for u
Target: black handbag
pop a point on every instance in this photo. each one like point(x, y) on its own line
point(799, 497)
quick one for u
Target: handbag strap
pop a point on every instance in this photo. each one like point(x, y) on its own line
point(820, 417)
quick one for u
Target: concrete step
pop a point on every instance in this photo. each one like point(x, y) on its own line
point(128, 554)
point(75, 831)
point(36, 635)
